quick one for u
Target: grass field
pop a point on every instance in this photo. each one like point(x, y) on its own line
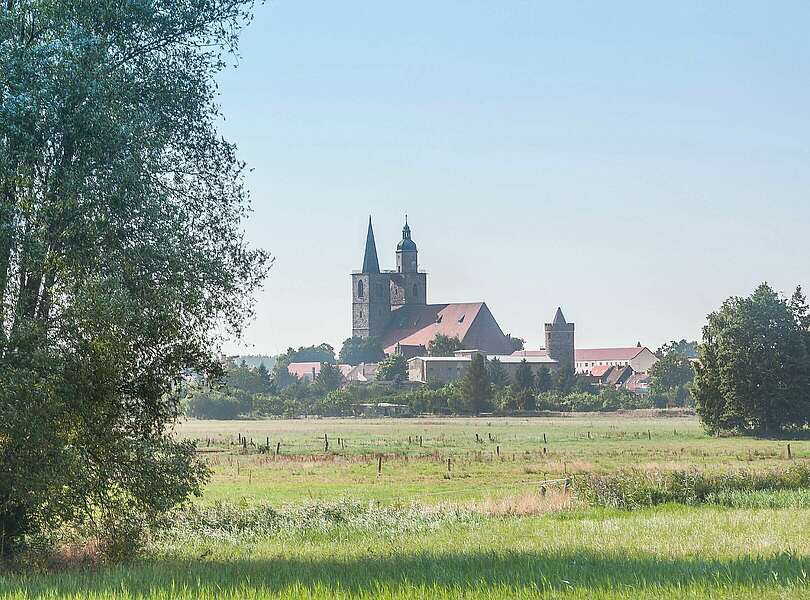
point(430, 533)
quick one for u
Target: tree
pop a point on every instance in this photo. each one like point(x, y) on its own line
point(682, 349)
point(320, 353)
point(393, 368)
point(443, 345)
point(524, 386)
point(543, 381)
point(497, 374)
point(476, 387)
point(358, 350)
point(122, 259)
point(328, 379)
point(565, 380)
point(517, 343)
point(670, 379)
point(753, 374)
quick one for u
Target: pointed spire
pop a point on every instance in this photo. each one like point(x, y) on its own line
point(370, 262)
point(559, 319)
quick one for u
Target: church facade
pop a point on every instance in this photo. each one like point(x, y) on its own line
point(392, 306)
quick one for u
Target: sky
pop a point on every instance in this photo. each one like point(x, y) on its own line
point(633, 163)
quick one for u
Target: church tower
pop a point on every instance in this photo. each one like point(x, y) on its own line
point(371, 297)
point(560, 340)
point(408, 285)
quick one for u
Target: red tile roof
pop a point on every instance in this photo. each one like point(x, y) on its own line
point(600, 370)
point(304, 369)
point(607, 353)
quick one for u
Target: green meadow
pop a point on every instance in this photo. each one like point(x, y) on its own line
point(379, 514)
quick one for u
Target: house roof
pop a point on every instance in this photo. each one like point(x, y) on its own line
point(306, 369)
point(417, 325)
point(600, 370)
point(608, 353)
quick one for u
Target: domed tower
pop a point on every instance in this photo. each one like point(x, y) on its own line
point(408, 285)
point(407, 261)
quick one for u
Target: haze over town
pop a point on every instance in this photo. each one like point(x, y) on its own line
point(635, 176)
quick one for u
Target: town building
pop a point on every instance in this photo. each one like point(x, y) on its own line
point(447, 369)
point(392, 306)
point(640, 358)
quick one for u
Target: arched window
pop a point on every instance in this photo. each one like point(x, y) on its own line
point(415, 291)
point(360, 289)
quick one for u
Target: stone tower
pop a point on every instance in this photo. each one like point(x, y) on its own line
point(408, 285)
point(560, 340)
point(371, 295)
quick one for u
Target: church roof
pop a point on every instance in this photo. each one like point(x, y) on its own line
point(417, 325)
point(370, 262)
point(559, 318)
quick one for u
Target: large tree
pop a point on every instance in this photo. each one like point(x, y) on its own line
point(524, 386)
point(443, 345)
point(476, 387)
point(122, 260)
point(671, 378)
point(356, 350)
point(393, 368)
point(753, 374)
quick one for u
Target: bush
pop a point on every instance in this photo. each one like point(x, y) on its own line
point(211, 404)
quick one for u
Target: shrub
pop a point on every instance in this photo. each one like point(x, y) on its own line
point(211, 404)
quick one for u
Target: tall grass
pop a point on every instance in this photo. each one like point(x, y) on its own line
point(636, 488)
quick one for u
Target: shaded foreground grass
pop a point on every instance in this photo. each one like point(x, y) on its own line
point(669, 552)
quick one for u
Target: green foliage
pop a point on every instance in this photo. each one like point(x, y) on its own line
point(754, 369)
point(321, 353)
point(635, 488)
point(122, 259)
point(328, 379)
point(523, 386)
point(497, 374)
point(212, 404)
point(565, 380)
point(517, 343)
point(543, 382)
point(393, 368)
point(683, 349)
point(358, 350)
point(443, 345)
point(476, 388)
point(670, 380)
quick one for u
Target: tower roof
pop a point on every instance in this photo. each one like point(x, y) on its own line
point(559, 318)
point(406, 244)
point(370, 262)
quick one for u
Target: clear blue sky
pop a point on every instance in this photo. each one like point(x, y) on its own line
point(632, 162)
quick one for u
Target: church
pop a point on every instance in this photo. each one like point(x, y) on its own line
point(392, 306)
